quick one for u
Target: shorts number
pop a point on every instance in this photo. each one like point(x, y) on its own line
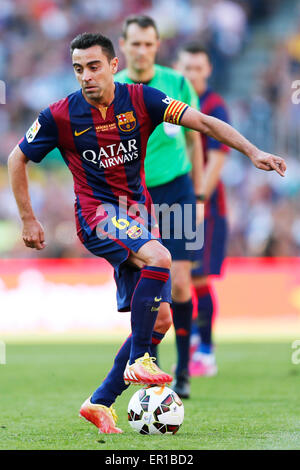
point(121, 224)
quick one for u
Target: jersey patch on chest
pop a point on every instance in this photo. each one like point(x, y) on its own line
point(126, 121)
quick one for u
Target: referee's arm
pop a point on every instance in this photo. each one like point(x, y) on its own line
point(196, 154)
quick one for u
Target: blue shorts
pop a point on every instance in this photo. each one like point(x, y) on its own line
point(180, 191)
point(114, 241)
point(210, 258)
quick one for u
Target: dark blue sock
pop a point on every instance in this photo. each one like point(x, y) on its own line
point(204, 320)
point(182, 319)
point(113, 385)
point(144, 309)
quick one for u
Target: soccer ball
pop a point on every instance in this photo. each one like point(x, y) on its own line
point(155, 410)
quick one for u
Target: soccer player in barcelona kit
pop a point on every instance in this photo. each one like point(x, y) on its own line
point(167, 170)
point(101, 131)
point(194, 63)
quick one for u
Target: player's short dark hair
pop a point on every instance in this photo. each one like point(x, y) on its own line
point(142, 21)
point(86, 40)
point(194, 47)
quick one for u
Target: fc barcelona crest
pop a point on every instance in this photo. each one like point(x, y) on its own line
point(126, 121)
point(134, 232)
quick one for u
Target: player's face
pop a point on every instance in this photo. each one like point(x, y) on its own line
point(196, 67)
point(140, 47)
point(94, 71)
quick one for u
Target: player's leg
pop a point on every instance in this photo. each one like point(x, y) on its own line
point(99, 407)
point(122, 233)
point(182, 307)
point(203, 360)
point(117, 253)
point(209, 261)
point(144, 310)
point(113, 385)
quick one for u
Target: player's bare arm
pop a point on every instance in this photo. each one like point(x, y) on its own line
point(33, 232)
point(226, 134)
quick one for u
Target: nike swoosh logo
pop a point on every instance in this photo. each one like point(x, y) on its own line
point(154, 309)
point(82, 132)
point(156, 299)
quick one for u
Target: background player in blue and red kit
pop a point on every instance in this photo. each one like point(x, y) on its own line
point(101, 132)
point(194, 62)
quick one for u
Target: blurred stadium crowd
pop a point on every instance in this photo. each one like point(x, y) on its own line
point(35, 66)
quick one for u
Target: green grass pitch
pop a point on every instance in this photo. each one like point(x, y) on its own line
point(252, 404)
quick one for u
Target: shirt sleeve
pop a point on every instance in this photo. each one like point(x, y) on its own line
point(218, 112)
point(161, 107)
point(41, 137)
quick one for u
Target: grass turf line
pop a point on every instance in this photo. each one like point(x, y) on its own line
point(252, 404)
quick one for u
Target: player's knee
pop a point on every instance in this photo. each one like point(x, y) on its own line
point(161, 258)
point(181, 288)
point(181, 281)
point(199, 281)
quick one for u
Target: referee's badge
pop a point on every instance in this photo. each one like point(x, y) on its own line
point(126, 121)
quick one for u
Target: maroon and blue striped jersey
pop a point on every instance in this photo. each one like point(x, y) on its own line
point(213, 104)
point(104, 149)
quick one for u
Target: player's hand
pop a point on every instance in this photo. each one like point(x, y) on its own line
point(33, 234)
point(268, 162)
